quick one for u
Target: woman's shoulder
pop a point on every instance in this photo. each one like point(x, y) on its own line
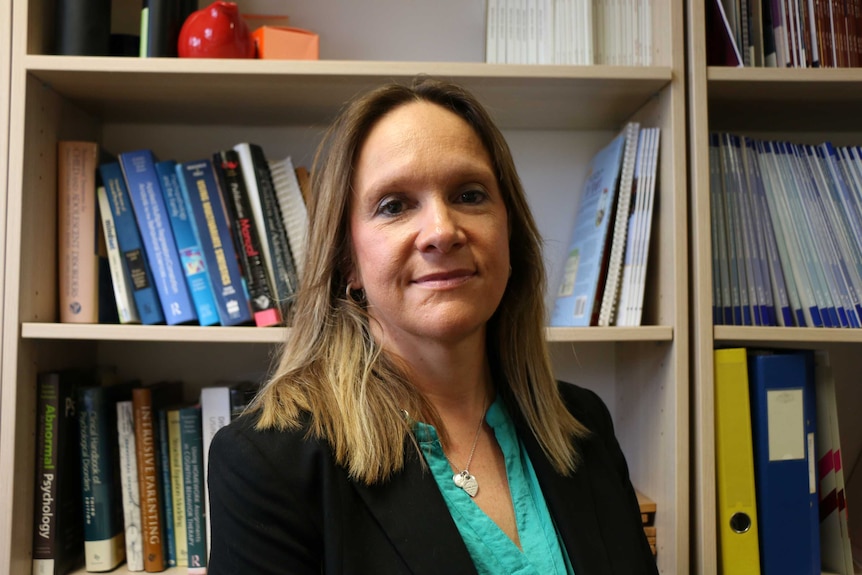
point(585, 404)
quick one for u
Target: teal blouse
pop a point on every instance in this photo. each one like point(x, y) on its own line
point(492, 551)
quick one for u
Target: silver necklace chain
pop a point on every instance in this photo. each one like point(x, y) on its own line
point(464, 479)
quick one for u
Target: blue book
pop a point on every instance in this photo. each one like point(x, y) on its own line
point(131, 245)
point(783, 415)
point(586, 257)
point(149, 206)
point(188, 244)
point(201, 192)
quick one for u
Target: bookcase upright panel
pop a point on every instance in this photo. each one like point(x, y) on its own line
point(554, 117)
point(799, 105)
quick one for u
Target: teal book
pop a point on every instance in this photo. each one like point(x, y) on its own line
point(145, 192)
point(165, 492)
point(589, 250)
point(188, 244)
point(104, 541)
point(191, 442)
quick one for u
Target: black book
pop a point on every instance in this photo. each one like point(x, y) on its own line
point(83, 27)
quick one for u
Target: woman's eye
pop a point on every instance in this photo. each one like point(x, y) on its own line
point(471, 197)
point(391, 207)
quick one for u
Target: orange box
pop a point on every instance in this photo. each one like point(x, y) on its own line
point(286, 43)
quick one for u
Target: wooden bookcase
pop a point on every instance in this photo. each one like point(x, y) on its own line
point(555, 118)
point(802, 105)
point(5, 90)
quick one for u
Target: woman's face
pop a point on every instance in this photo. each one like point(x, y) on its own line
point(428, 227)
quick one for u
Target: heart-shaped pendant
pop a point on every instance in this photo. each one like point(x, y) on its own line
point(458, 479)
point(470, 485)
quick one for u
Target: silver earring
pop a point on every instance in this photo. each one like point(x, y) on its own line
point(355, 296)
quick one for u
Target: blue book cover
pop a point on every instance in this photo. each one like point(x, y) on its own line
point(783, 415)
point(149, 206)
point(199, 186)
point(131, 245)
point(581, 287)
point(188, 244)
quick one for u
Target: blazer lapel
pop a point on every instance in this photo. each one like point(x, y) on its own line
point(571, 503)
point(412, 512)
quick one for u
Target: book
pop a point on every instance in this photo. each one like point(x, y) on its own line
point(737, 510)
point(146, 400)
point(220, 404)
point(178, 498)
point(166, 492)
point(588, 248)
point(148, 202)
point(131, 246)
point(104, 540)
point(276, 249)
point(291, 203)
point(721, 45)
point(130, 488)
point(188, 244)
point(83, 28)
point(836, 554)
point(784, 423)
point(121, 283)
point(191, 443)
point(611, 291)
point(249, 246)
point(58, 536)
point(77, 227)
point(200, 191)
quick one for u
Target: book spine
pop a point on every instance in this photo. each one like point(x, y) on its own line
point(193, 486)
point(165, 491)
point(208, 211)
point(294, 214)
point(178, 495)
point(58, 537)
point(188, 244)
point(215, 414)
point(148, 480)
point(129, 239)
point(150, 213)
point(104, 546)
point(77, 232)
point(230, 177)
point(120, 281)
point(276, 249)
point(130, 488)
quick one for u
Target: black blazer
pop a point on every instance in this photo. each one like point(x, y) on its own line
point(280, 504)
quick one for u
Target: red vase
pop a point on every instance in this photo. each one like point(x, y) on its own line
point(217, 31)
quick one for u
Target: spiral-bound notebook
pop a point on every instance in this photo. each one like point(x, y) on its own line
point(610, 297)
point(293, 210)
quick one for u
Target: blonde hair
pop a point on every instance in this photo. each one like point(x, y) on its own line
point(332, 374)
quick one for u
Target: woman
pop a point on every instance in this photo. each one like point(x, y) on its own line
point(413, 424)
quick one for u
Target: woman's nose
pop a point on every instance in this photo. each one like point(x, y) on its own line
point(439, 228)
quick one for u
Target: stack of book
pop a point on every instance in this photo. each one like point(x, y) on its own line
point(781, 497)
point(784, 33)
point(576, 32)
point(786, 233)
point(604, 275)
point(648, 509)
point(214, 241)
point(121, 471)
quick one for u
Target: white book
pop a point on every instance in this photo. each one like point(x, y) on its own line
point(586, 28)
point(835, 551)
point(129, 486)
point(741, 243)
point(734, 250)
point(294, 212)
point(775, 291)
point(545, 22)
point(785, 234)
point(626, 289)
point(611, 293)
point(532, 31)
point(120, 279)
point(646, 226)
point(491, 31)
point(721, 257)
point(215, 414)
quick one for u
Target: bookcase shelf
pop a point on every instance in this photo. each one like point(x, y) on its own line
point(554, 118)
point(803, 105)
